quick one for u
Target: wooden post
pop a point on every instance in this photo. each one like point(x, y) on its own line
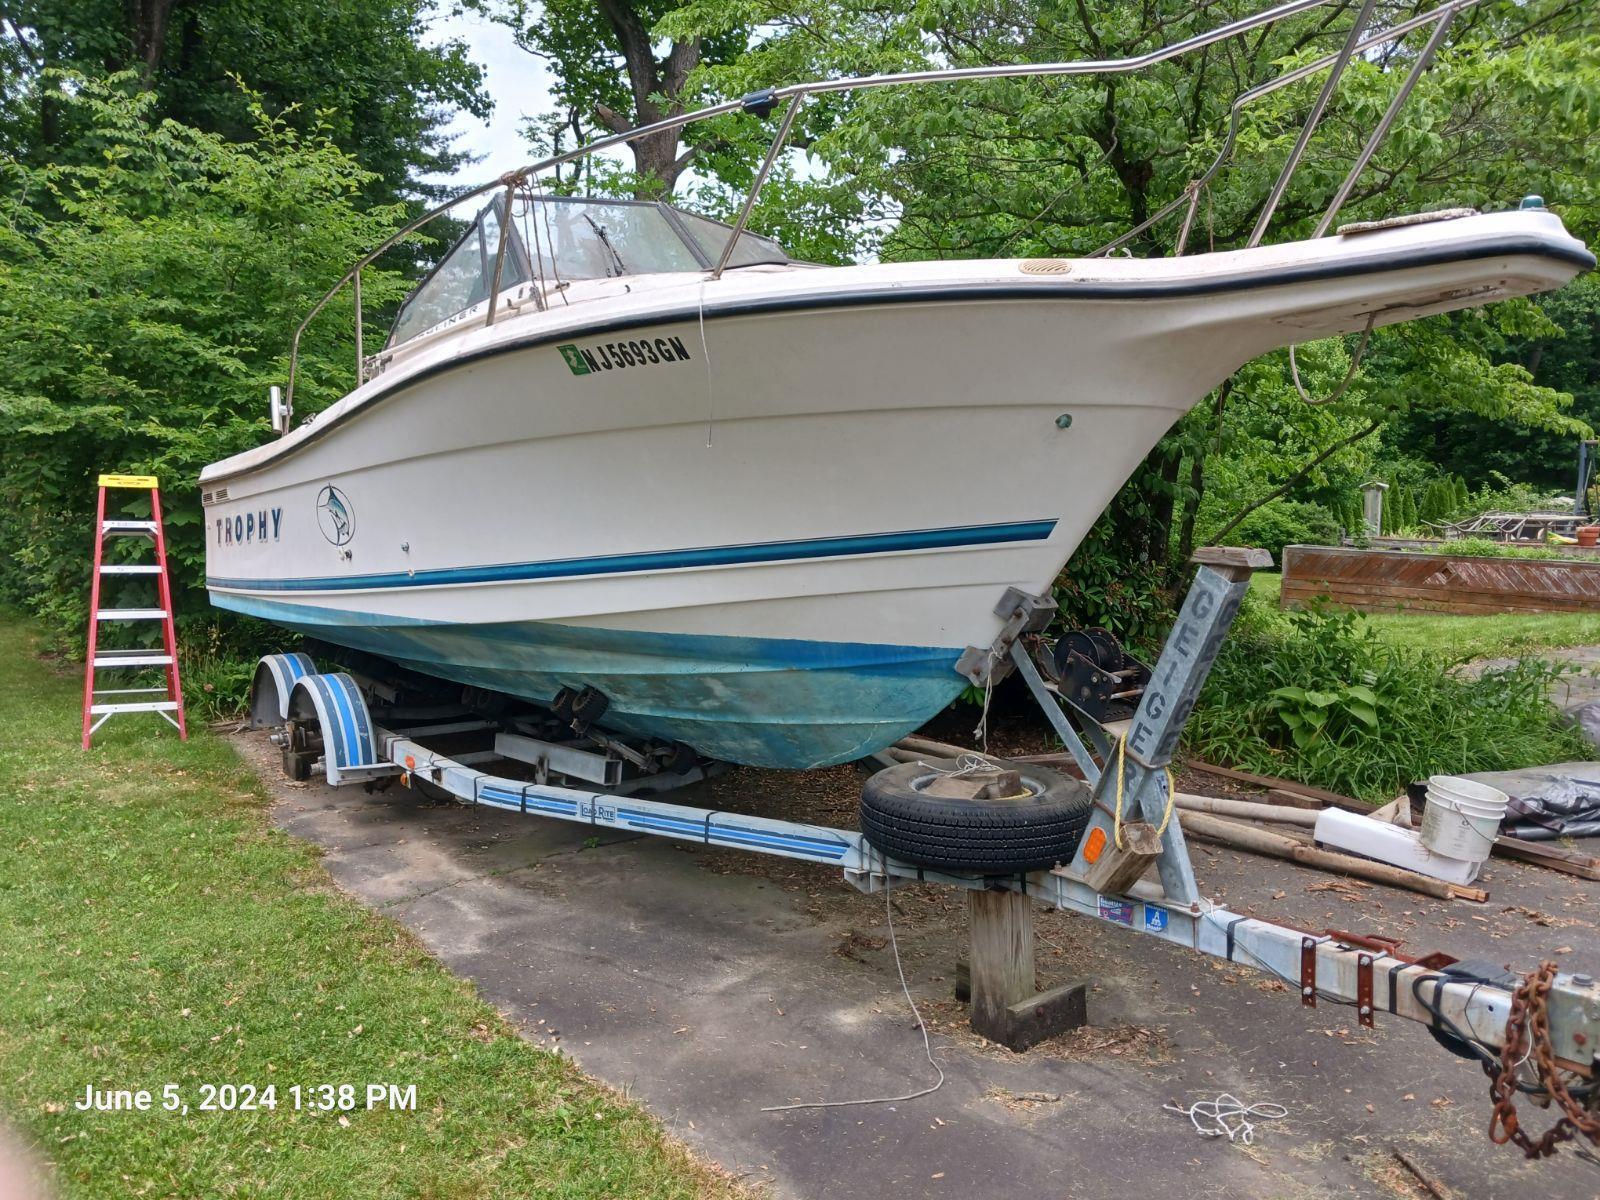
point(1002, 956)
point(1005, 1006)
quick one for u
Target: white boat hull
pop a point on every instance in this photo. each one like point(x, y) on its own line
point(772, 534)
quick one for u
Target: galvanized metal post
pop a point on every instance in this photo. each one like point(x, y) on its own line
point(1152, 735)
point(1372, 507)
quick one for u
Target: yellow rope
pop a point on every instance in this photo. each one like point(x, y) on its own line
point(1116, 810)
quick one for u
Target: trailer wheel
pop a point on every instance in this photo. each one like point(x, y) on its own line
point(1030, 832)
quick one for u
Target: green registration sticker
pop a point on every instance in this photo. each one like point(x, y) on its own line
point(574, 359)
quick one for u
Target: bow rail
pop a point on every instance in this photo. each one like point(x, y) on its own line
point(761, 103)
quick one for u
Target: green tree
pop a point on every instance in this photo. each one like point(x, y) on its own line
point(158, 286)
point(365, 73)
point(614, 73)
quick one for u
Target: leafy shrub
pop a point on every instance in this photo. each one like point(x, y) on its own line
point(1501, 494)
point(151, 294)
point(1489, 548)
point(1317, 697)
point(1287, 523)
point(218, 660)
point(1103, 586)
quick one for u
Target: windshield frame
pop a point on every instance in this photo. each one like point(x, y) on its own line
point(486, 259)
point(531, 271)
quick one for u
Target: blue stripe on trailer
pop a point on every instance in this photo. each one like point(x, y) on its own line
point(700, 826)
point(347, 718)
point(734, 834)
point(743, 837)
point(534, 802)
point(335, 723)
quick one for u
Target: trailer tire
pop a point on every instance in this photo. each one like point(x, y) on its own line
point(997, 837)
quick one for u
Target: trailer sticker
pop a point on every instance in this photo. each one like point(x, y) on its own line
point(1120, 911)
point(1155, 919)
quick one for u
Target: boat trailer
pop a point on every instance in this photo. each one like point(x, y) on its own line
point(324, 723)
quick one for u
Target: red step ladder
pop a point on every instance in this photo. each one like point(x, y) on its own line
point(97, 712)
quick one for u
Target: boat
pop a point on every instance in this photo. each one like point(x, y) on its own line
point(761, 506)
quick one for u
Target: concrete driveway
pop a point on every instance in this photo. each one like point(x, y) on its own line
point(709, 983)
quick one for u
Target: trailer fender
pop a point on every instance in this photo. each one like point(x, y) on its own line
point(275, 677)
point(333, 704)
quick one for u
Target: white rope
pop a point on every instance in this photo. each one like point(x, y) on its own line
point(968, 763)
point(705, 352)
point(927, 1047)
point(1350, 375)
point(1229, 1117)
point(981, 731)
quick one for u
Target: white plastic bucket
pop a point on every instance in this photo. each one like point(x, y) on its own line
point(1468, 794)
point(1462, 817)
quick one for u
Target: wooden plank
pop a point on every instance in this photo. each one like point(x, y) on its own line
point(1568, 862)
point(1292, 799)
point(1398, 596)
point(1287, 787)
point(1410, 590)
point(1396, 591)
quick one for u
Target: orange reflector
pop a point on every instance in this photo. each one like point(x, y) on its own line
point(1094, 845)
point(411, 763)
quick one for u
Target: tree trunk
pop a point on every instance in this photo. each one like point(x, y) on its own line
point(1191, 504)
point(650, 79)
point(147, 26)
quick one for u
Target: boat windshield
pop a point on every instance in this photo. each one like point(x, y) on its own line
point(461, 280)
point(556, 238)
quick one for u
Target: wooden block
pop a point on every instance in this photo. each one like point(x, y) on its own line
point(1235, 562)
point(1031, 1021)
point(1115, 871)
point(1000, 978)
point(977, 785)
point(1555, 858)
point(1292, 800)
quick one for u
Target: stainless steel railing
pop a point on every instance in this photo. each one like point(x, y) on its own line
point(1357, 42)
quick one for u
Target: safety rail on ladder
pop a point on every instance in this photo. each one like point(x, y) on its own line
point(97, 712)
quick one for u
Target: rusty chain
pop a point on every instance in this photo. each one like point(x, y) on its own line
point(1528, 1037)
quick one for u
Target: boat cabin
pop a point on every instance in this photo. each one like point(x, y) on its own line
point(552, 241)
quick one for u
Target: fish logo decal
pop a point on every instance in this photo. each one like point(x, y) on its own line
point(335, 517)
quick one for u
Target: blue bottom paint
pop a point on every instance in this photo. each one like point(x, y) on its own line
point(766, 702)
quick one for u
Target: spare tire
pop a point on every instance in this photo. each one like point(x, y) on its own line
point(1029, 832)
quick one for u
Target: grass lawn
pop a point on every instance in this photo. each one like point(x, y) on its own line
point(1501, 635)
point(157, 929)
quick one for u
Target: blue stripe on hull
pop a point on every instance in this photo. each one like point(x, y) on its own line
point(662, 560)
point(767, 702)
